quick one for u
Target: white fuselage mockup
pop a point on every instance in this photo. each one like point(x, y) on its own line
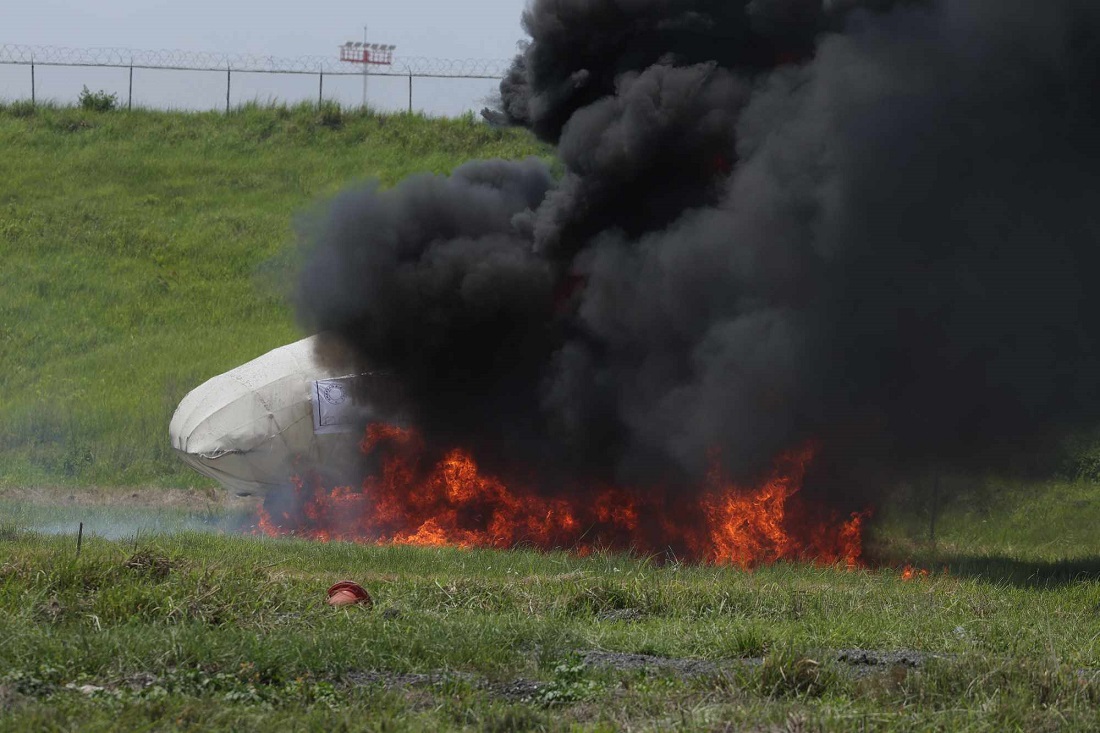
point(257, 425)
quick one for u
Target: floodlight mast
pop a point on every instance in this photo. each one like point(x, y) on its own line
point(355, 52)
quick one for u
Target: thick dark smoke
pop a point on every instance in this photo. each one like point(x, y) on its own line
point(580, 50)
point(872, 225)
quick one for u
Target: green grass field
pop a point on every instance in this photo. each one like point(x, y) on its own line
point(170, 621)
point(141, 253)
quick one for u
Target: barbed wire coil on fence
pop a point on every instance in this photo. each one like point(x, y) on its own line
point(415, 66)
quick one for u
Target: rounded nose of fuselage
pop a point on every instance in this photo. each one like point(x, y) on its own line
point(244, 427)
point(223, 430)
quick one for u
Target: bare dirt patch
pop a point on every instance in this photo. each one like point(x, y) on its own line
point(397, 680)
point(141, 497)
point(511, 690)
point(874, 658)
point(859, 662)
point(9, 698)
point(634, 662)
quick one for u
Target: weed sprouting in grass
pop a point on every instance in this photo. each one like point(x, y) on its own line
point(569, 684)
point(787, 672)
point(43, 680)
point(506, 719)
point(746, 642)
point(330, 115)
point(611, 598)
point(20, 108)
point(149, 564)
point(99, 101)
point(601, 598)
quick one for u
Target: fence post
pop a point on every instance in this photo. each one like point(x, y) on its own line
point(320, 89)
point(130, 96)
point(33, 102)
point(228, 82)
point(410, 94)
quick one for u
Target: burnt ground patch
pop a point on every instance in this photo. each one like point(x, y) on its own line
point(858, 662)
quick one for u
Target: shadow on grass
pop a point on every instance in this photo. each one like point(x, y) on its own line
point(1024, 573)
point(1018, 572)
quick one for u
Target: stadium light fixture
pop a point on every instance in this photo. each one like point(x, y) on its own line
point(367, 54)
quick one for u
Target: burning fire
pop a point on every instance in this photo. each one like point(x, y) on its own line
point(417, 500)
point(909, 573)
point(912, 573)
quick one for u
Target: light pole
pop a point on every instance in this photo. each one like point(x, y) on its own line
point(364, 53)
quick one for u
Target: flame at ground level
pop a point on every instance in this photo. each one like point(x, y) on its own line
point(417, 500)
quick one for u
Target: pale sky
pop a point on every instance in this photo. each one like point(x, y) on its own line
point(486, 29)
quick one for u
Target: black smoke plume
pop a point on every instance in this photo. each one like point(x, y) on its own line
point(870, 225)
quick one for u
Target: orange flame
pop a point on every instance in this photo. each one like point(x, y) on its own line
point(416, 501)
point(911, 573)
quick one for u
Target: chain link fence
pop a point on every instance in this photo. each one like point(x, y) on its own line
point(409, 68)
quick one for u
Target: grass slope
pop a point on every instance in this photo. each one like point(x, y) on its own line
point(144, 252)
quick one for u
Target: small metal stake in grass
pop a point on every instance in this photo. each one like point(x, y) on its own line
point(935, 510)
point(79, 538)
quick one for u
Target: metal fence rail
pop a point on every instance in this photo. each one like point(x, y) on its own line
point(178, 60)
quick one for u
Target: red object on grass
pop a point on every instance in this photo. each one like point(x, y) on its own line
point(348, 592)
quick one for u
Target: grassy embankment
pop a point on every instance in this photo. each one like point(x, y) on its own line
point(142, 253)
